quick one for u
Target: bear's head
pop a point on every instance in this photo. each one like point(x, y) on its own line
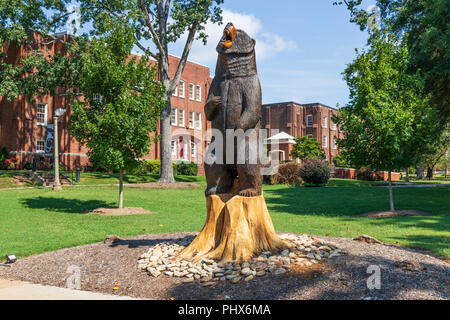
point(235, 41)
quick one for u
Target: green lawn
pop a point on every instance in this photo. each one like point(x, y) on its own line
point(37, 220)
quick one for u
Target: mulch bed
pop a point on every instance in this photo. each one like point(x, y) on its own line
point(111, 267)
point(159, 185)
point(398, 213)
point(119, 212)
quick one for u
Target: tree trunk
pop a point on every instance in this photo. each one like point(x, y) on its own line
point(166, 174)
point(407, 175)
point(391, 197)
point(236, 228)
point(121, 189)
point(419, 172)
point(429, 173)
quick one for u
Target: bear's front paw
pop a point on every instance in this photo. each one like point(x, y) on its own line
point(249, 193)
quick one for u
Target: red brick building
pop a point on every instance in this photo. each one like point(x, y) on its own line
point(312, 120)
point(23, 124)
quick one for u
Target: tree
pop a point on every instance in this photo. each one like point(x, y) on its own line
point(155, 24)
point(121, 103)
point(152, 23)
point(386, 117)
point(438, 150)
point(423, 25)
point(307, 148)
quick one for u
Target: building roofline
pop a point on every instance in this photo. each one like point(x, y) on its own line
point(299, 104)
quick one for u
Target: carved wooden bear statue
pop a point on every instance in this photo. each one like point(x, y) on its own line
point(234, 102)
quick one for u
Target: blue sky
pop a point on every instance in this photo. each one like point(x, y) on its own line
point(302, 47)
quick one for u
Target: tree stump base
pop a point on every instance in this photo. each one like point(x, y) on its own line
point(237, 228)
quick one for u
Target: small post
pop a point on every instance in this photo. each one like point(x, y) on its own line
point(78, 175)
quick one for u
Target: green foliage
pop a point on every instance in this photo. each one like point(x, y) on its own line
point(386, 123)
point(28, 165)
point(341, 160)
point(4, 154)
point(187, 169)
point(121, 104)
point(437, 150)
point(423, 26)
point(307, 148)
point(316, 172)
point(288, 173)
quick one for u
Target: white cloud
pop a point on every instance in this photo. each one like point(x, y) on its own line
point(267, 44)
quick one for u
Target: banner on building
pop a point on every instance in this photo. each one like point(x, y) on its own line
point(49, 132)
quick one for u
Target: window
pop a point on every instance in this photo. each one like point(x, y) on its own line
point(173, 117)
point(309, 120)
point(181, 118)
point(198, 121)
point(325, 141)
point(40, 146)
point(333, 126)
point(41, 114)
point(334, 143)
point(174, 147)
point(191, 91)
point(309, 136)
point(193, 150)
point(325, 122)
point(181, 89)
point(199, 93)
point(191, 119)
point(175, 92)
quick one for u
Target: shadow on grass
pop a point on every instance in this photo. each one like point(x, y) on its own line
point(65, 205)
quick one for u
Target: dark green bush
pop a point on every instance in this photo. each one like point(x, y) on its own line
point(366, 173)
point(315, 172)
point(187, 169)
point(28, 165)
point(288, 173)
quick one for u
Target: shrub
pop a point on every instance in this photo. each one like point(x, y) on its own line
point(9, 164)
point(187, 168)
point(44, 166)
point(28, 165)
point(288, 173)
point(153, 166)
point(316, 172)
point(366, 173)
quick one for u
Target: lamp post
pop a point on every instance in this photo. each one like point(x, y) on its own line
point(56, 183)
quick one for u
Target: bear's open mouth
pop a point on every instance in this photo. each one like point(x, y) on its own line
point(229, 34)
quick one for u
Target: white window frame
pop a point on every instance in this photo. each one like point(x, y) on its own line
point(173, 146)
point(334, 143)
point(181, 116)
point(325, 122)
point(333, 125)
point(198, 120)
point(173, 116)
point(191, 119)
point(325, 141)
point(193, 150)
point(45, 113)
point(43, 146)
point(199, 93)
point(191, 92)
point(182, 89)
point(309, 120)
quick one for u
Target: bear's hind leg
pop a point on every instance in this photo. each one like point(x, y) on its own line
point(219, 179)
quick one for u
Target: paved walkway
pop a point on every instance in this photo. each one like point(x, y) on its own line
point(18, 290)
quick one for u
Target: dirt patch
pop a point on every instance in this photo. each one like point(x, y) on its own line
point(119, 212)
point(22, 180)
point(158, 185)
point(398, 213)
point(113, 263)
